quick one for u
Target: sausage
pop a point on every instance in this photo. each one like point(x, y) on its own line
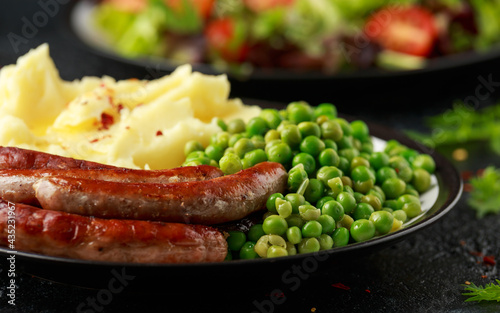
point(18, 158)
point(17, 185)
point(214, 201)
point(62, 234)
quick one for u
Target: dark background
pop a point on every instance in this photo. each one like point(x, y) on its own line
point(423, 273)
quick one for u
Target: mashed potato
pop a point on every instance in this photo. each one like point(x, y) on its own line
point(130, 123)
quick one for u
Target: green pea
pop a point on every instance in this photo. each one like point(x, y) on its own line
point(264, 242)
point(296, 177)
point(271, 135)
point(362, 211)
point(254, 157)
point(255, 232)
point(340, 237)
point(309, 245)
point(336, 186)
point(346, 142)
point(330, 144)
point(345, 125)
point(247, 251)
point(284, 208)
point(295, 220)
point(191, 146)
point(290, 248)
point(362, 230)
point(309, 212)
point(309, 129)
point(230, 164)
point(346, 221)
point(290, 134)
point(333, 209)
point(383, 221)
point(392, 204)
point(344, 165)
point(363, 179)
point(367, 147)
point(234, 138)
point(378, 192)
point(243, 146)
point(360, 130)
point(384, 173)
point(358, 161)
point(328, 157)
point(272, 117)
point(421, 180)
point(294, 235)
point(378, 160)
point(326, 173)
point(221, 124)
point(348, 153)
point(400, 215)
point(331, 129)
point(271, 201)
point(327, 223)
point(314, 190)
point(323, 200)
point(409, 154)
point(236, 240)
point(274, 225)
point(393, 187)
point(325, 242)
point(347, 201)
point(236, 126)
point(327, 109)
point(299, 111)
point(220, 139)
point(214, 152)
point(280, 153)
point(296, 200)
point(276, 251)
point(424, 161)
point(306, 160)
point(256, 126)
point(402, 167)
point(410, 205)
point(372, 200)
point(312, 145)
point(258, 141)
point(358, 196)
point(411, 191)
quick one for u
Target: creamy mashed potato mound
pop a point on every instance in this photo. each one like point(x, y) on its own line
point(130, 123)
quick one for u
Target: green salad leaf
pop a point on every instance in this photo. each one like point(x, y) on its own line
point(462, 124)
point(485, 193)
point(489, 292)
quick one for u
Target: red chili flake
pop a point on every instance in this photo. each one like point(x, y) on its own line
point(110, 100)
point(475, 253)
point(127, 127)
point(313, 310)
point(484, 276)
point(159, 133)
point(368, 290)
point(103, 85)
point(106, 120)
point(94, 140)
point(489, 260)
point(120, 107)
point(341, 286)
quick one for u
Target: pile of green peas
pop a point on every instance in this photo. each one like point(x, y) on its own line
point(340, 191)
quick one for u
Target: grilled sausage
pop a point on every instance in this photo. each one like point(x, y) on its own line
point(218, 200)
point(81, 237)
point(17, 158)
point(17, 185)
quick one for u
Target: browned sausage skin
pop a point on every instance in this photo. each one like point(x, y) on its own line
point(18, 158)
point(214, 201)
point(80, 237)
point(17, 185)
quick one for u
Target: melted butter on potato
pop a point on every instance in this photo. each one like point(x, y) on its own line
point(131, 123)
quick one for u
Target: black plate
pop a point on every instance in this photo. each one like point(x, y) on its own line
point(222, 276)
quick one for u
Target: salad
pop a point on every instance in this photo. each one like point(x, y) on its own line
point(326, 35)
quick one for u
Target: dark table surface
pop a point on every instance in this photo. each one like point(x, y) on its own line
point(423, 273)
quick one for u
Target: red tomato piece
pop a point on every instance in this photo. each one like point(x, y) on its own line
point(222, 37)
point(411, 30)
point(203, 7)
